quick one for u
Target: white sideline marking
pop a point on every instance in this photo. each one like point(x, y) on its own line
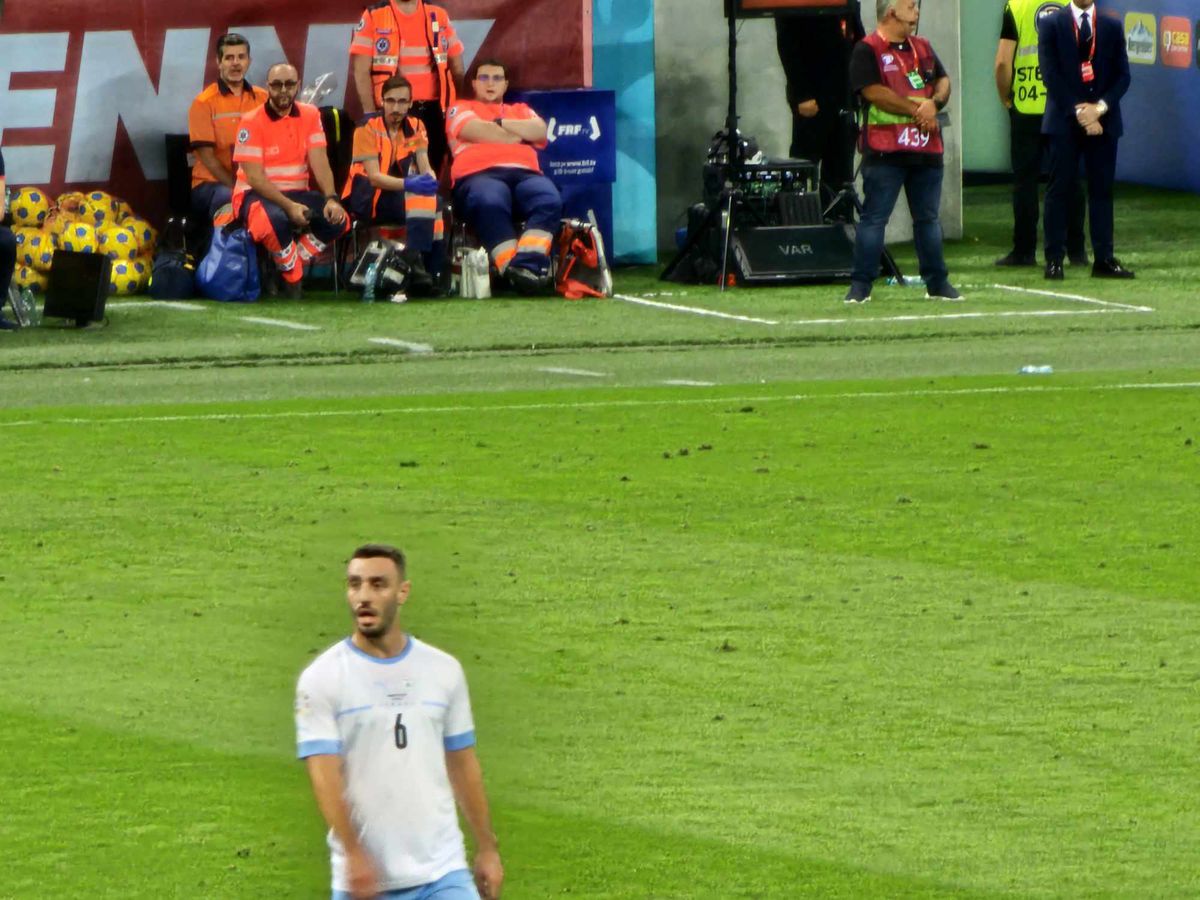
point(614, 404)
point(166, 304)
point(583, 373)
point(281, 323)
point(1078, 298)
point(965, 315)
point(403, 345)
point(687, 382)
point(694, 310)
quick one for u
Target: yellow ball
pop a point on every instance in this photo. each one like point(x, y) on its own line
point(144, 267)
point(79, 237)
point(37, 251)
point(30, 207)
point(117, 242)
point(70, 202)
point(124, 278)
point(29, 277)
point(144, 232)
point(96, 213)
point(121, 210)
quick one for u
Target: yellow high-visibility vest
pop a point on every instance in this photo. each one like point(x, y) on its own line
point(1029, 91)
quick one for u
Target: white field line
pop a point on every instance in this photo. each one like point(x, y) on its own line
point(165, 304)
point(582, 373)
point(410, 346)
point(1078, 298)
point(687, 382)
point(614, 404)
point(281, 323)
point(1005, 314)
point(693, 310)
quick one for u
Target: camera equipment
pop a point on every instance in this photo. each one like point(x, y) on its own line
point(765, 216)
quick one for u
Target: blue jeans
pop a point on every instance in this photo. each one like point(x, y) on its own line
point(456, 885)
point(881, 188)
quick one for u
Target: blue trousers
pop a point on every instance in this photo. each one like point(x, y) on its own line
point(456, 885)
point(881, 187)
point(207, 198)
point(492, 201)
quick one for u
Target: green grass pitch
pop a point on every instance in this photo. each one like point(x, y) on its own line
point(759, 596)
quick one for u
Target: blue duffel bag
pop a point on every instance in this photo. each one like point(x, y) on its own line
point(229, 271)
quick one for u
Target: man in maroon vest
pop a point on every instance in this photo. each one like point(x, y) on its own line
point(903, 86)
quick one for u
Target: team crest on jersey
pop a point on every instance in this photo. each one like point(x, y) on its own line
point(888, 58)
point(243, 135)
point(1045, 11)
point(383, 45)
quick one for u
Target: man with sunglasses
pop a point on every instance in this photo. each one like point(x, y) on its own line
point(417, 40)
point(279, 146)
point(213, 127)
point(498, 180)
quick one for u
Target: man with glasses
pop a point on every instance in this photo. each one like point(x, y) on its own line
point(498, 180)
point(279, 145)
point(417, 40)
point(213, 127)
point(392, 181)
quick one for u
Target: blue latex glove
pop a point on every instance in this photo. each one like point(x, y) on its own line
point(426, 184)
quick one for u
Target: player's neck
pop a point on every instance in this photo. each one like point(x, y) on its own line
point(385, 646)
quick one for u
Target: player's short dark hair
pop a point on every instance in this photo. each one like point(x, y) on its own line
point(231, 39)
point(381, 551)
point(396, 81)
point(494, 63)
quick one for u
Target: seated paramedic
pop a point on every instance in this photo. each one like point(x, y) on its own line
point(498, 181)
point(279, 145)
point(213, 127)
point(391, 181)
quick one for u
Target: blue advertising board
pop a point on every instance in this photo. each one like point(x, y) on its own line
point(1161, 111)
point(580, 155)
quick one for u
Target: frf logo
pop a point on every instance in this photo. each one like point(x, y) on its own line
point(1176, 42)
point(1140, 38)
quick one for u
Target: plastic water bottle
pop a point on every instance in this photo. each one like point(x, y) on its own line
point(909, 281)
point(1037, 370)
point(369, 280)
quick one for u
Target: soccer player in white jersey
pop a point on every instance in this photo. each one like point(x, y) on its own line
point(383, 722)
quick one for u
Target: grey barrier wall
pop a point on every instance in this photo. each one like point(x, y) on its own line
point(691, 65)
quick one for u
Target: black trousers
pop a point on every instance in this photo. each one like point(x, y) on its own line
point(826, 138)
point(430, 112)
point(1027, 147)
point(1099, 156)
point(8, 260)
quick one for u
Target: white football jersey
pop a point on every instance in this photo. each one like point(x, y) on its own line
point(391, 721)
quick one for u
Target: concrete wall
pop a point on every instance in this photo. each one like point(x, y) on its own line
point(691, 65)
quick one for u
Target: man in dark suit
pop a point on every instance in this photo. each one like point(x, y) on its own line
point(815, 53)
point(1086, 70)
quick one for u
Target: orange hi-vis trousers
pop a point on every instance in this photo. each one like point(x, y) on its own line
point(269, 225)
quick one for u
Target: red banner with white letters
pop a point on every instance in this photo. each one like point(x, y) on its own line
point(88, 89)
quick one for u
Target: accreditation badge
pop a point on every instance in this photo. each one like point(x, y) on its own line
point(1086, 72)
point(915, 79)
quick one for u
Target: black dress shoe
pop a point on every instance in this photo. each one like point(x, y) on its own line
point(1110, 268)
point(1017, 259)
point(1054, 271)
